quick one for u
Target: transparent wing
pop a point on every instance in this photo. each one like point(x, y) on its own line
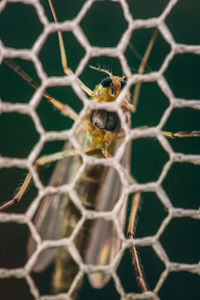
point(104, 242)
point(49, 216)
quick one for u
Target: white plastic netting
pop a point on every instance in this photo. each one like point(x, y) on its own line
point(156, 186)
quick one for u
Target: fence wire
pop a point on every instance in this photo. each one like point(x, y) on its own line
point(44, 135)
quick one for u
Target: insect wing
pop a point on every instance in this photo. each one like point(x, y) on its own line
point(104, 242)
point(49, 215)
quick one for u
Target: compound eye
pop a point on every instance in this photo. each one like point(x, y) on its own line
point(123, 83)
point(106, 82)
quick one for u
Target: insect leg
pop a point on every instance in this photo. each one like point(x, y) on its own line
point(142, 67)
point(46, 159)
point(109, 137)
point(181, 134)
point(130, 235)
point(90, 148)
point(65, 109)
point(136, 198)
point(66, 69)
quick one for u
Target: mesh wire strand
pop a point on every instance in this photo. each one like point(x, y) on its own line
point(30, 110)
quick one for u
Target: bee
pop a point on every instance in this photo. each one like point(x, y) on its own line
point(103, 130)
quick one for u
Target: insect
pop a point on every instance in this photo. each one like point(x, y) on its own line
point(101, 120)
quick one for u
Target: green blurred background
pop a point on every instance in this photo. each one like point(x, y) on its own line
point(104, 25)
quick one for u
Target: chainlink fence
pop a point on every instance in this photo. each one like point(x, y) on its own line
point(105, 33)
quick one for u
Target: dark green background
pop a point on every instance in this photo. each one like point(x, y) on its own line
point(104, 25)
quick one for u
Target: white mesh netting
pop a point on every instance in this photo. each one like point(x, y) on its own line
point(173, 211)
